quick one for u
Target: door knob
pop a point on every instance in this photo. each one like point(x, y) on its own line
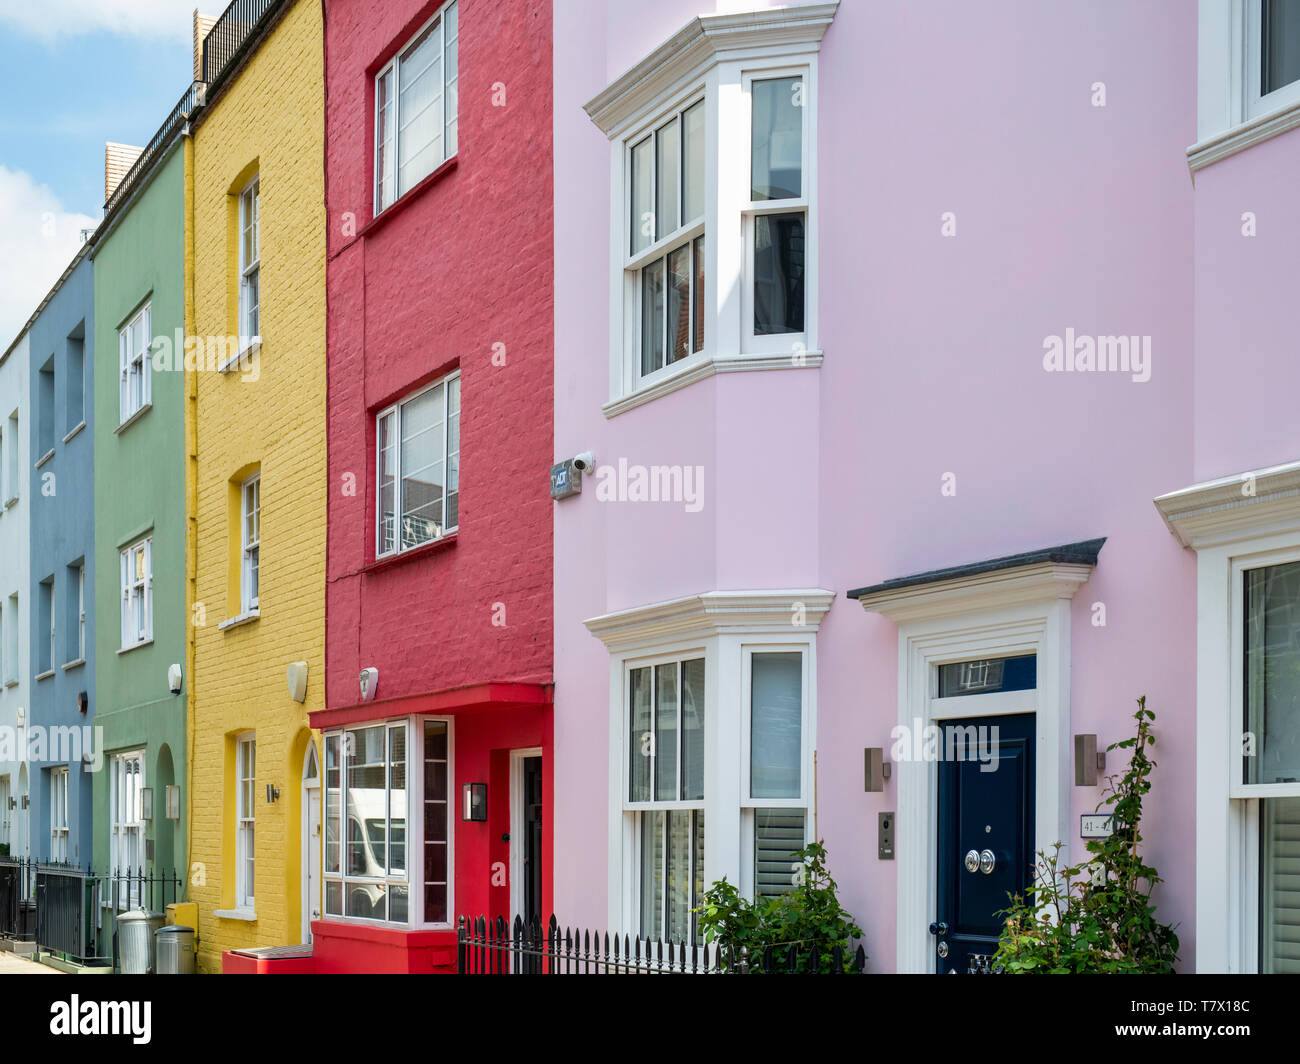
point(938, 928)
point(986, 861)
point(972, 860)
point(942, 948)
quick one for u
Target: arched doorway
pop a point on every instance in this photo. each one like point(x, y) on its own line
point(311, 840)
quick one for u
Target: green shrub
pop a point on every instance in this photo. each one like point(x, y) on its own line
point(1096, 916)
point(808, 916)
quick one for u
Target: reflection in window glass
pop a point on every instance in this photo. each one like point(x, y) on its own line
point(777, 144)
point(1279, 44)
point(1271, 606)
point(776, 725)
point(1279, 886)
point(778, 274)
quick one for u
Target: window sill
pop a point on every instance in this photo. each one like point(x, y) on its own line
point(74, 664)
point(72, 432)
point(687, 375)
point(239, 621)
point(133, 418)
point(408, 197)
point(136, 646)
point(423, 551)
point(45, 458)
point(1246, 135)
point(11, 683)
point(254, 348)
point(11, 501)
point(44, 675)
point(246, 915)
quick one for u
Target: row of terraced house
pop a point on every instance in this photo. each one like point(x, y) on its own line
point(518, 457)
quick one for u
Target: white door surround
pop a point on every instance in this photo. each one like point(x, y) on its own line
point(518, 827)
point(989, 611)
point(311, 841)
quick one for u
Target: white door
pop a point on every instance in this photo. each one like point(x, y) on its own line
point(311, 865)
point(5, 814)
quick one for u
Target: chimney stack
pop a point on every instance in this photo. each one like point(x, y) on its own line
point(202, 24)
point(118, 159)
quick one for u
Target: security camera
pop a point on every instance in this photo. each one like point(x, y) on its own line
point(585, 463)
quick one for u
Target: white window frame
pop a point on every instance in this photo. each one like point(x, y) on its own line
point(414, 841)
point(245, 821)
point(59, 815)
point(1258, 103)
point(11, 637)
point(133, 365)
point(133, 590)
point(1235, 523)
point(250, 543)
point(81, 611)
point(726, 629)
point(250, 270)
point(781, 42)
point(395, 411)
point(47, 589)
point(126, 823)
point(393, 69)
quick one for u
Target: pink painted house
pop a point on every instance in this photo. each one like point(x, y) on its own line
point(881, 328)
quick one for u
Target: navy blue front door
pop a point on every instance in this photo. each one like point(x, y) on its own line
point(986, 833)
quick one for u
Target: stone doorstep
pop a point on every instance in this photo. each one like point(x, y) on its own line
point(72, 967)
point(18, 946)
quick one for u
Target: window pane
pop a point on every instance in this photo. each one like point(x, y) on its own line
point(419, 109)
point(1272, 696)
point(652, 317)
point(453, 453)
point(778, 834)
point(1280, 44)
point(367, 825)
point(652, 874)
point(681, 878)
point(776, 725)
point(987, 675)
point(693, 729)
point(1279, 886)
point(698, 314)
point(452, 69)
point(666, 732)
point(435, 821)
point(397, 799)
point(332, 780)
point(422, 467)
point(679, 303)
point(640, 744)
point(642, 221)
point(693, 163)
point(384, 163)
point(667, 146)
point(778, 274)
point(778, 139)
point(387, 485)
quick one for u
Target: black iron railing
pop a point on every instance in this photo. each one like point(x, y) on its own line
point(17, 907)
point(224, 44)
point(161, 140)
point(493, 947)
point(73, 911)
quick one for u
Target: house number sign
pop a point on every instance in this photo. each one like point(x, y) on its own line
point(1095, 826)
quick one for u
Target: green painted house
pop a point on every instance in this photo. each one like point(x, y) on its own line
point(141, 795)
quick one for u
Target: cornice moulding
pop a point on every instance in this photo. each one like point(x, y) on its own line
point(712, 613)
point(1042, 582)
point(1236, 507)
point(701, 43)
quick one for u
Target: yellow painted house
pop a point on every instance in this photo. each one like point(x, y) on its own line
point(257, 482)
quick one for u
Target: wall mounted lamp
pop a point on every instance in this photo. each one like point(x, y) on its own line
point(875, 769)
point(1088, 760)
point(474, 806)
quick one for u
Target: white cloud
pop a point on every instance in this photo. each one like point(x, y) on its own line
point(149, 18)
point(38, 238)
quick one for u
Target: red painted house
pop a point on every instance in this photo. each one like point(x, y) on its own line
point(437, 773)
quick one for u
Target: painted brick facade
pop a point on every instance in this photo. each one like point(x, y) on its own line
point(456, 274)
point(267, 121)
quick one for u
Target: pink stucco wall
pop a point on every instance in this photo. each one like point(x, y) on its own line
point(1068, 216)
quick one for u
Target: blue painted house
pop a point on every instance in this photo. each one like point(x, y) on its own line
point(61, 582)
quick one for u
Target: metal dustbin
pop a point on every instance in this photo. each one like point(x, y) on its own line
point(135, 931)
point(175, 950)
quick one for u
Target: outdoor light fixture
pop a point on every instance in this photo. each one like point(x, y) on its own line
point(173, 678)
point(369, 680)
point(83, 701)
point(272, 792)
point(27, 800)
point(876, 769)
point(13, 802)
point(146, 803)
point(475, 804)
point(1088, 760)
point(172, 801)
point(296, 674)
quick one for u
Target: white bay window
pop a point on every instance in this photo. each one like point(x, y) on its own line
point(713, 232)
point(693, 682)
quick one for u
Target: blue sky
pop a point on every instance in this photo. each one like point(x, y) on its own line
point(74, 74)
